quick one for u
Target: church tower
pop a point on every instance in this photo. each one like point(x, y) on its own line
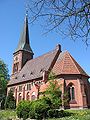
point(23, 52)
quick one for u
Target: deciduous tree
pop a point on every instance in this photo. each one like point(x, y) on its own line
point(4, 76)
point(68, 17)
point(10, 101)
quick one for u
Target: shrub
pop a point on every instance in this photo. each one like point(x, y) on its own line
point(66, 113)
point(54, 113)
point(39, 108)
point(23, 109)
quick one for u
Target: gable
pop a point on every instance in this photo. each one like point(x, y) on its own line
point(66, 64)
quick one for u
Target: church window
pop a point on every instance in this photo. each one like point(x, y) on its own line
point(15, 68)
point(28, 96)
point(28, 86)
point(39, 83)
point(12, 89)
point(20, 88)
point(19, 97)
point(71, 92)
point(33, 97)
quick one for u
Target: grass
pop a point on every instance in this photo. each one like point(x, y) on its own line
point(76, 115)
point(7, 114)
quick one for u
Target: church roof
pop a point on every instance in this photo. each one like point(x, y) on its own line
point(59, 62)
point(24, 39)
point(66, 64)
point(34, 68)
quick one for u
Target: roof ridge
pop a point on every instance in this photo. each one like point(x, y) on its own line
point(43, 55)
point(63, 62)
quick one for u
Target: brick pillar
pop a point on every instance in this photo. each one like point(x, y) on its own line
point(82, 97)
point(63, 91)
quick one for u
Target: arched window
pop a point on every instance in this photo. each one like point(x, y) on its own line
point(33, 97)
point(15, 67)
point(28, 96)
point(19, 97)
point(71, 92)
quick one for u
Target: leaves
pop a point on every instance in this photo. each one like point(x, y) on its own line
point(10, 101)
point(54, 91)
point(4, 76)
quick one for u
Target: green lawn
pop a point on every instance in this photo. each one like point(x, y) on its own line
point(77, 115)
point(7, 114)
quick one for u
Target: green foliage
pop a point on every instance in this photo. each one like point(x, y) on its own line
point(3, 82)
point(7, 114)
point(54, 91)
point(10, 101)
point(35, 109)
point(3, 103)
point(75, 115)
point(69, 115)
point(23, 109)
point(3, 71)
point(39, 108)
point(51, 76)
point(54, 113)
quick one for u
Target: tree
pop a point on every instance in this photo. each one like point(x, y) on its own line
point(54, 91)
point(10, 101)
point(68, 17)
point(4, 76)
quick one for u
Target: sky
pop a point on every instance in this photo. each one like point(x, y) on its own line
point(12, 14)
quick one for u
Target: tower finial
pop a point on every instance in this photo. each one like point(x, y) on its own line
point(26, 9)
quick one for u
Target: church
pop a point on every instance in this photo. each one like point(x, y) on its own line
point(29, 75)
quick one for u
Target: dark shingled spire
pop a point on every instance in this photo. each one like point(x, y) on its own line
point(24, 39)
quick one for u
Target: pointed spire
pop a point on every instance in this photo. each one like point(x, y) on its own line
point(24, 39)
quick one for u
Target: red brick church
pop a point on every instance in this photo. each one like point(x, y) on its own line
point(29, 75)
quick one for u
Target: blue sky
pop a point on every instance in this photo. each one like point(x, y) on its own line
point(12, 13)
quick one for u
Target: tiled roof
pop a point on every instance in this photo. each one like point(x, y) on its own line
point(63, 63)
point(34, 68)
point(66, 64)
